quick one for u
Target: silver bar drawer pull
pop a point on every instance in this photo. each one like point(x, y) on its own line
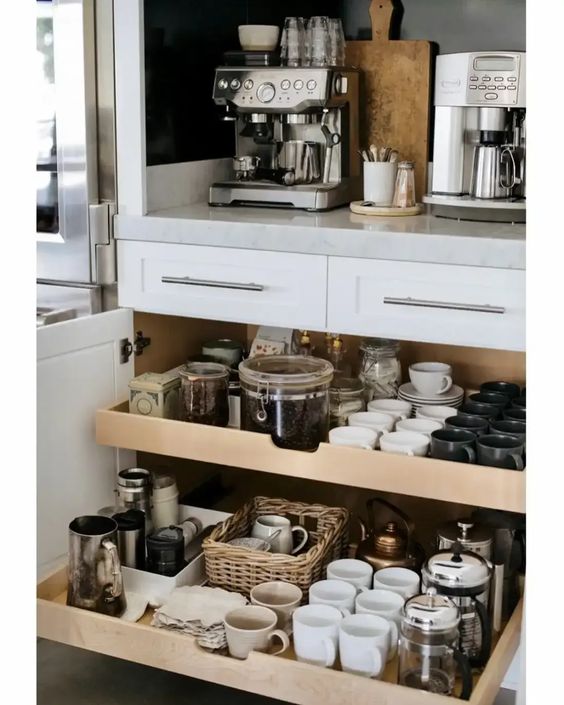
point(211, 283)
point(422, 303)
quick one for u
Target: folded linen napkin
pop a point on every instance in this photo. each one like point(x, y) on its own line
point(194, 603)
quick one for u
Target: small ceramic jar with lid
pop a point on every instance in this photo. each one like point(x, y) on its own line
point(154, 394)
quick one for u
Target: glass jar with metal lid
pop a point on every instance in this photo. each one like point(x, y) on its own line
point(471, 536)
point(346, 397)
point(465, 578)
point(380, 368)
point(288, 397)
point(204, 393)
point(428, 653)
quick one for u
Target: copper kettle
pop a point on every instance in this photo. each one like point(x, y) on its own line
point(392, 544)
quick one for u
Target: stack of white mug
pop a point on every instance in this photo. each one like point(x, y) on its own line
point(354, 614)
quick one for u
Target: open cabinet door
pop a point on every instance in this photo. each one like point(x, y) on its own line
point(79, 370)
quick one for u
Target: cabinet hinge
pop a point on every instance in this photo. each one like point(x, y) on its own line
point(102, 243)
point(127, 348)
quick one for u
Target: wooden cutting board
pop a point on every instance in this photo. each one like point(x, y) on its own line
point(395, 100)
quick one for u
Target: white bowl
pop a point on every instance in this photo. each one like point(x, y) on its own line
point(405, 443)
point(258, 37)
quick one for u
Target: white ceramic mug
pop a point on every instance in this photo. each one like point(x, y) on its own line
point(316, 634)
point(405, 443)
point(375, 420)
point(383, 603)
point(431, 378)
point(353, 436)
point(364, 644)
point(281, 597)
point(394, 407)
point(424, 426)
point(268, 525)
point(336, 593)
point(357, 573)
point(403, 581)
point(435, 413)
point(252, 628)
point(380, 182)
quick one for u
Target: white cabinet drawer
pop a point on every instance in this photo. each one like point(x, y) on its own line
point(474, 306)
point(225, 284)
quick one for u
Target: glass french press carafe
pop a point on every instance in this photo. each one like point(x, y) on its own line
point(465, 577)
point(428, 654)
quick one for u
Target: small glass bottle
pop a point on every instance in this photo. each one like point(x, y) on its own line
point(404, 194)
point(337, 357)
point(305, 347)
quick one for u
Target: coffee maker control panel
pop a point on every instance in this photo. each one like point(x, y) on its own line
point(276, 89)
point(493, 79)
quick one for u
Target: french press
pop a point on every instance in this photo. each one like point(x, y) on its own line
point(428, 653)
point(464, 577)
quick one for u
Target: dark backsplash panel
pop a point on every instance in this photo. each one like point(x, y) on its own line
point(184, 42)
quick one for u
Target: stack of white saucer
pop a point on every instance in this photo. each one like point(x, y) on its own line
point(431, 385)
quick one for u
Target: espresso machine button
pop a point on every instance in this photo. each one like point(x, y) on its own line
point(285, 84)
point(266, 92)
point(222, 84)
point(235, 84)
point(311, 85)
point(299, 84)
point(248, 84)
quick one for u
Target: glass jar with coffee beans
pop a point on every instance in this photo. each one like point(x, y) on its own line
point(204, 393)
point(286, 396)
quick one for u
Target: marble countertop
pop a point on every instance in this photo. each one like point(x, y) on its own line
point(338, 233)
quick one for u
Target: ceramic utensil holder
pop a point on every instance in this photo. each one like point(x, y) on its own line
point(380, 182)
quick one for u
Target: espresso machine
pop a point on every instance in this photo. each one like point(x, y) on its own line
point(479, 137)
point(296, 135)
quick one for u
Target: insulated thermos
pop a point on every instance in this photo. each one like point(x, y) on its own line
point(131, 538)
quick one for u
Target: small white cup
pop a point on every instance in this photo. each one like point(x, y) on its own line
point(431, 378)
point(364, 644)
point(435, 413)
point(281, 597)
point(380, 182)
point(397, 408)
point(357, 573)
point(336, 593)
point(403, 581)
point(424, 426)
point(376, 420)
point(252, 628)
point(405, 443)
point(354, 436)
point(383, 603)
point(316, 634)
point(282, 531)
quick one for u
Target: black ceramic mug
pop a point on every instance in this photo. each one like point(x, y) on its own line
point(508, 427)
point(476, 408)
point(454, 444)
point(519, 402)
point(510, 389)
point(475, 424)
point(500, 451)
point(515, 414)
point(500, 400)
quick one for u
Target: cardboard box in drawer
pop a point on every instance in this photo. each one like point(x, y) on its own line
point(157, 588)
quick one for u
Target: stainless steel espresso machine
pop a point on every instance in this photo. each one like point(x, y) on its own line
point(296, 136)
point(479, 137)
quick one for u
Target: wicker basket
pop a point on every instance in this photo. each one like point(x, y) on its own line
point(240, 569)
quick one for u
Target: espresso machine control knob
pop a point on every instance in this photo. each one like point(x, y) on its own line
point(266, 92)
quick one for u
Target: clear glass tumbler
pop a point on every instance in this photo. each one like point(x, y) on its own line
point(336, 42)
point(293, 42)
point(318, 40)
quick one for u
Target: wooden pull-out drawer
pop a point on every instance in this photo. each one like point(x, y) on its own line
point(273, 676)
point(474, 306)
point(274, 288)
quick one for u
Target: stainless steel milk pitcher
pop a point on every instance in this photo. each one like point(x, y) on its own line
point(94, 576)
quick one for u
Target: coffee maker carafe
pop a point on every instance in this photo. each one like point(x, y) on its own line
point(479, 137)
point(296, 136)
point(428, 653)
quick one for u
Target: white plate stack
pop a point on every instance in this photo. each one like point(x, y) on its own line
point(454, 397)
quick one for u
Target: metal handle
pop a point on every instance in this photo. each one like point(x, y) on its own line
point(510, 169)
point(422, 303)
point(117, 583)
point(486, 632)
point(213, 284)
